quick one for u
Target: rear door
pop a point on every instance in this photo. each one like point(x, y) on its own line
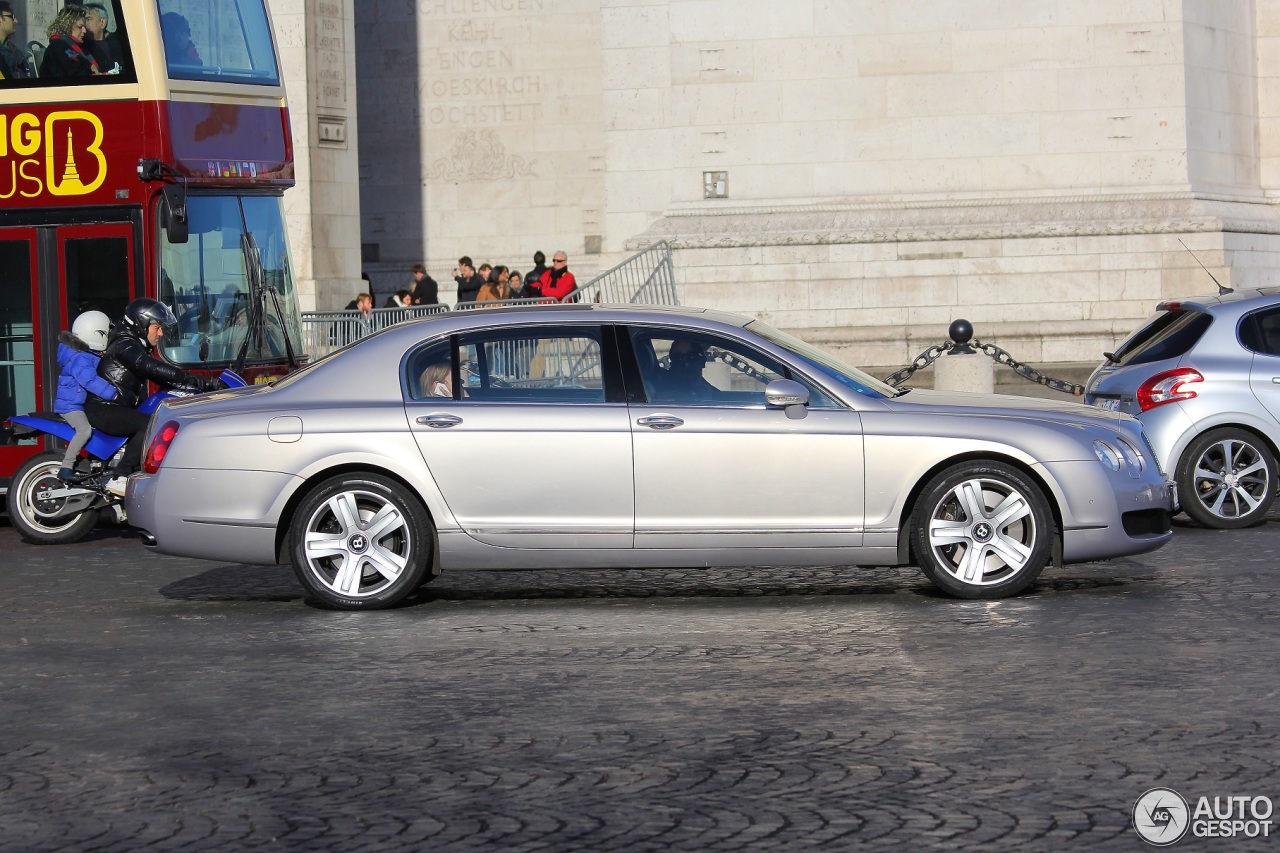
point(533, 448)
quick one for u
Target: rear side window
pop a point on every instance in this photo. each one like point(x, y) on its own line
point(1260, 332)
point(1170, 335)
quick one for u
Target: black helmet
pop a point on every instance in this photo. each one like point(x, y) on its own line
point(141, 313)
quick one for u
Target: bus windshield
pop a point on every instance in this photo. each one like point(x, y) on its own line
point(231, 282)
point(218, 40)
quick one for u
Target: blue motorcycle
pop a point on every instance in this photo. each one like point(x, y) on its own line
point(48, 511)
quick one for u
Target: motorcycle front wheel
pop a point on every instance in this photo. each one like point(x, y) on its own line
point(38, 520)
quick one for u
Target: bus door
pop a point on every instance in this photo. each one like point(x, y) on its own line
point(49, 275)
point(19, 376)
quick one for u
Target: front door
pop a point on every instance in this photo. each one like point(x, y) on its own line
point(716, 468)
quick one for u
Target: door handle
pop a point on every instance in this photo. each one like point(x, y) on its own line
point(660, 422)
point(439, 421)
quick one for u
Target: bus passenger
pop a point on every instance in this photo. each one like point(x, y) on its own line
point(179, 49)
point(104, 46)
point(66, 55)
point(14, 64)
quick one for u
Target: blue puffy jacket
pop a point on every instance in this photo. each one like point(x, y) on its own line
point(79, 373)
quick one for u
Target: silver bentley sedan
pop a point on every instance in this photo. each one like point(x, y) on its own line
point(594, 435)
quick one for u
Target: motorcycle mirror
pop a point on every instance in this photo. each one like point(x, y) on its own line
point(204, 347)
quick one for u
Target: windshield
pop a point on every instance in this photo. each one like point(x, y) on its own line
point(824, 363)
point(226, 40)
point(207, 282)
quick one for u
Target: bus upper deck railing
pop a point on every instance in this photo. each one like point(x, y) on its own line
point(646, 278)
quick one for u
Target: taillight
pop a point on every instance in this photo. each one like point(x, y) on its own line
point(159, 447)
point(1167, 387)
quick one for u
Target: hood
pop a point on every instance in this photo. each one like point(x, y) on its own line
point(72, 341)
point(1005, 405)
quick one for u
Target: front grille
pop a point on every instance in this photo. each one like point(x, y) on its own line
point(1146, 522)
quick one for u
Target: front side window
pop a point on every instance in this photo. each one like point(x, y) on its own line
point(225, 40)
point(694, 369)
point(231, 284)
point(56, 44)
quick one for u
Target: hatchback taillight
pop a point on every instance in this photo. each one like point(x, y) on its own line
point(1167, 387)
point(159, 447)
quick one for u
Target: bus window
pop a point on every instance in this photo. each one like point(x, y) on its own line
point(97, 270)
point(225, 40)
point(207, 283)
point(44, 45)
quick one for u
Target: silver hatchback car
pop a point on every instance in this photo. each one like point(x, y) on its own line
point(1203, 376)
point(594, 436)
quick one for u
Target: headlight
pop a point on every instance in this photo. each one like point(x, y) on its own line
point(1107, 454)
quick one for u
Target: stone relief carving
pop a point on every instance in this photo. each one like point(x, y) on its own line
point(478, 155)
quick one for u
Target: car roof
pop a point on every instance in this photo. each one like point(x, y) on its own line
point(1243, 300)
point(571, 313)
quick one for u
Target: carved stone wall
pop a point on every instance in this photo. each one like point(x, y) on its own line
point(482, 134)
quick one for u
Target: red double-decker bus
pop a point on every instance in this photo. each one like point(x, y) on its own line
point(144, 151)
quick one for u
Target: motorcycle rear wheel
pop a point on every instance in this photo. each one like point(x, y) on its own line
point(30, 516)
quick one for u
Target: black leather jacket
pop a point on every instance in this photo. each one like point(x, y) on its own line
point(127, 364)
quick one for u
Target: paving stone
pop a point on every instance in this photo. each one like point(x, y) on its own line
point(176, 704)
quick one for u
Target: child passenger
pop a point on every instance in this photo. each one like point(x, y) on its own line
point(78, 356)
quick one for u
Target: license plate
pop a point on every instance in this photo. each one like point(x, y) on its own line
point(1110, 404)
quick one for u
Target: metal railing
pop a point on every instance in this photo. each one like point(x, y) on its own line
point(325, 331)
point(645, 278)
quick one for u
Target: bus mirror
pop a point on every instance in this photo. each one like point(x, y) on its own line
point(173, 214)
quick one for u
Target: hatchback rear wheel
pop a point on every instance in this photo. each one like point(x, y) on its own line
point(1226, 479)
point(982, 530)
point(360, 542)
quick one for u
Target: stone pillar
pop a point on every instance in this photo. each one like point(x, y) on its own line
point(316, 39)
point(972, 372)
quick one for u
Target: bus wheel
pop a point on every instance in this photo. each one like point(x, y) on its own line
point(45, 521)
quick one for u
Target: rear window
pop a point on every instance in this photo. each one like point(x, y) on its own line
point(1170, 335)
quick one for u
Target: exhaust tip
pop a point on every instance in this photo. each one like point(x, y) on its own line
point(147, 538)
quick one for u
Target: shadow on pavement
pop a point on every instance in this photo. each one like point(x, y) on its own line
point(277, 583)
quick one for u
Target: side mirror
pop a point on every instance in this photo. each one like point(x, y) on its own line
point(173, 212)
point(789, 395)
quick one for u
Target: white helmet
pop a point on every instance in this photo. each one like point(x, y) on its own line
point(92, 327)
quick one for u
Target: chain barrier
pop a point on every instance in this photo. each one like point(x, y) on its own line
point(920, 362)
point(996, 354)
point(1028, 372)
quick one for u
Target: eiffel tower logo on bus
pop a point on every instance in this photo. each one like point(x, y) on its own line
point(70, 183)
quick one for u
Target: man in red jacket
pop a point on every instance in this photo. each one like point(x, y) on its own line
point(558, 282)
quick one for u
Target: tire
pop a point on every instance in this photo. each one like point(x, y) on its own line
point(360, 542)
point(1226, 479)
point(982, 530)
point(30, 515)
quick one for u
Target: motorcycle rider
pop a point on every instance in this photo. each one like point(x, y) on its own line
point(127, 364)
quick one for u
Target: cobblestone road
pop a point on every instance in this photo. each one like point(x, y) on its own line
point(188, 705)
